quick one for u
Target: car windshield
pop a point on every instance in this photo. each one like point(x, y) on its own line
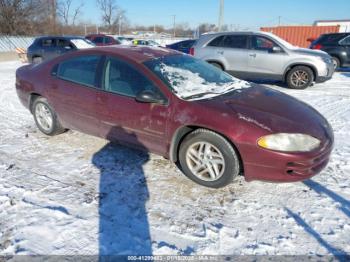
point(282, 41)
point(192, 79)
point(82, 43)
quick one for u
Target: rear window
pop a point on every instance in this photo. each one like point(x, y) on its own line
point(235, 41)
point(331, 39)
point(217, 41)
point(80, 70)
point(48, 42)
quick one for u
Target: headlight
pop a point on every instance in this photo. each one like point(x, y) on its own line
point(327, 60)
point(289, 142)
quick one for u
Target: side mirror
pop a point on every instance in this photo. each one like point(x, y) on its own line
point(148, 96)
point(67, 47)
point(276, 49)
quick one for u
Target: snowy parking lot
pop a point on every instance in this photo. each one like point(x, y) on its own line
point(77, 194)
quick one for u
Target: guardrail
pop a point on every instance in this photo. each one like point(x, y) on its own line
point(10, 43)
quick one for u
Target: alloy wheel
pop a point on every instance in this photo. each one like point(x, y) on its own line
point(205, 161)
point(300, 78)
point(44, 116)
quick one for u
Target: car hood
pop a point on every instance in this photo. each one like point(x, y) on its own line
point(305, 51)
point(275, 112)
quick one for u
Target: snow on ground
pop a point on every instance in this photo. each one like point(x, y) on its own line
point(77, 194)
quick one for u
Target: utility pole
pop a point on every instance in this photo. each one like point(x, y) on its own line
point(120, 24)
point(174, 24)
point(85, 30)
point(279, 20)
point(221, 15)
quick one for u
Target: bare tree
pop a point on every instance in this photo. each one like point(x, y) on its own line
point(112, 14)
point(21, 16)
point(64, 10)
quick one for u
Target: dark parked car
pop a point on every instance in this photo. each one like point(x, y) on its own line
point(182, 46)
point(48, 47)
point(337, 45)
point(102, 40)
point(214, 125)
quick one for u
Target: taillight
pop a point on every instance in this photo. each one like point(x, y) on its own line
point(192, 51)
point(317, 46)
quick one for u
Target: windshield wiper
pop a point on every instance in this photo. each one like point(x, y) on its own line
point(206, 93)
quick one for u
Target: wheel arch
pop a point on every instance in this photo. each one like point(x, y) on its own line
point(290, 67)
point(217, 62)
point(181, 133)
point(32, 98)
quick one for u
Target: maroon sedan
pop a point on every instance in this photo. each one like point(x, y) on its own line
point(102, 40)
point(215, 126)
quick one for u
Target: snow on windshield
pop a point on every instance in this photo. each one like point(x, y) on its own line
point(81, 44)
point(189, 84)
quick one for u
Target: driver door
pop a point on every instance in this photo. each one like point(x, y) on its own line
point(262, 61)
point(122, 118)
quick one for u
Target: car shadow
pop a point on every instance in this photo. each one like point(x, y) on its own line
point(345, 71)
point(123, 193)
point(345, 204)
point(338, 253)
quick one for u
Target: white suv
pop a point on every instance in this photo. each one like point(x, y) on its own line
point(260, 55)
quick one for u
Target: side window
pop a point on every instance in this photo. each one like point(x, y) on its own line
point(262, 43)
point(235, 41)
point(64, 43)
point(108, 40)
point(48, 42)
point(345, 41)
point(123, 79)
point(81, 70)
point(217, 41)
point(98, 40)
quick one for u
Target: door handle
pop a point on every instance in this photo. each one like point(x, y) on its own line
point(252, 55)
point(220, 52)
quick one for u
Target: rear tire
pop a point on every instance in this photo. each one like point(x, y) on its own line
point(217, 65)
point(46, 118)
point(300, 77)
point(336, 62)
point(209, 159)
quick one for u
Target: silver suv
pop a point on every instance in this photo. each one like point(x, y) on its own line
point(260, 55)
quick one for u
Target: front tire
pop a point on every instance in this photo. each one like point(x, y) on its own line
point(46, 118)
point(208, 159)
point(300, 77)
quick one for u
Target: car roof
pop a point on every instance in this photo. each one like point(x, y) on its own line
point(60, 37)
point(138, 54)
point(342, 33)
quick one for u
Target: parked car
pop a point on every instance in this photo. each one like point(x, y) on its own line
point(102, 40)
point(214, 125)
point(145, 42)
point(337, 45)
point(182, 46)
point(260, 55)
point(48, 47)
point(124, 40)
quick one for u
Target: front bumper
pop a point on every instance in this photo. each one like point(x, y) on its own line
point(285, 167)
point(326, 74)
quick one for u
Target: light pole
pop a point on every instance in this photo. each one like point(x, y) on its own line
point(120, 24)
point(221, 15)
point(174, 24)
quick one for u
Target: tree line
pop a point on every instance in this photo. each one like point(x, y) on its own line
point(42, 17)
